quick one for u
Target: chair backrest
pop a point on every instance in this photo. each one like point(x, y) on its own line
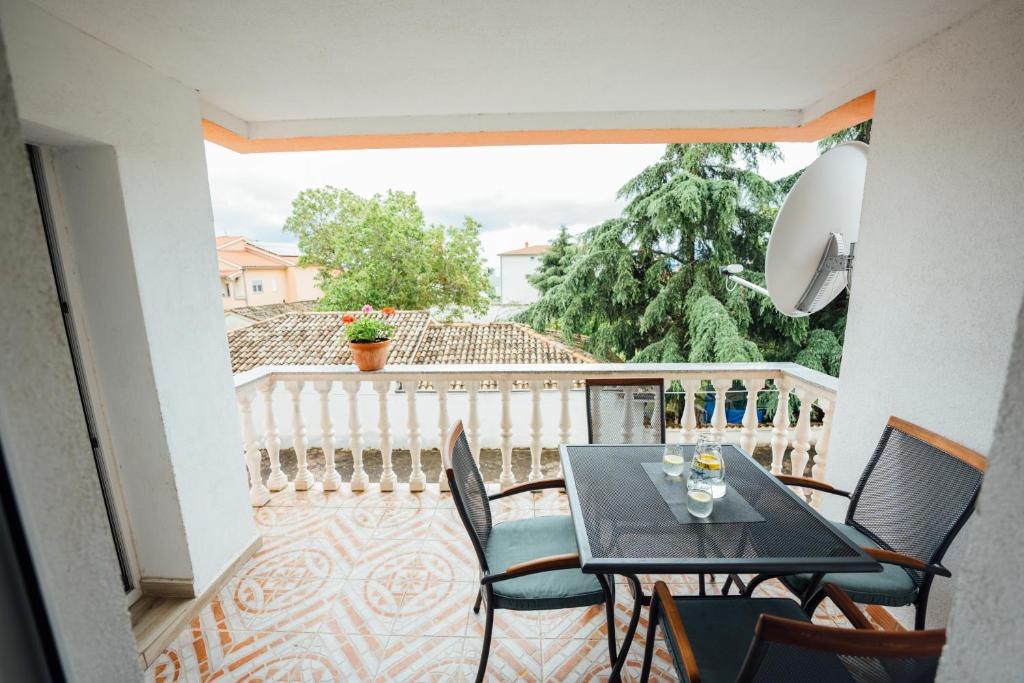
point(626, 410)
point(916, 492)
point(801, 652)
point(468, 490)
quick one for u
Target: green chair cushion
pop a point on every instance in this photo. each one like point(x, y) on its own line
point(892, 586)
point(721, 629)
point(521, 540)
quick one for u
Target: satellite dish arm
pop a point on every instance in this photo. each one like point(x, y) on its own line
point(731, 272)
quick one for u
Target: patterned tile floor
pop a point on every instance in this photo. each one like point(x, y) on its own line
point(379, 587)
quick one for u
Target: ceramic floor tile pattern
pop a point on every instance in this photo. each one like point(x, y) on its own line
point(379, 587)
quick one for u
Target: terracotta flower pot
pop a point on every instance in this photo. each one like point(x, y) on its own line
point(370, 356)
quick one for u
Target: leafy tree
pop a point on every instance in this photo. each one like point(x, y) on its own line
point(860, 133)
point(646, 287)
point(380, 251)
point(554, 263)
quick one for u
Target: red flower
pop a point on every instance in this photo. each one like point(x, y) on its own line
point(387, 310)
point(348, 318)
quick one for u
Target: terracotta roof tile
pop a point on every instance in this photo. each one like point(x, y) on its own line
point(272, 310)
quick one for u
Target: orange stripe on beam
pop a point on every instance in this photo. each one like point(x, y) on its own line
point(853, 112)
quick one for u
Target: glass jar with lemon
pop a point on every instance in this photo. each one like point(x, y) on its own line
point(709, 465)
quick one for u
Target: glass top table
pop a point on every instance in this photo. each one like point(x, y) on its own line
point(624, 526)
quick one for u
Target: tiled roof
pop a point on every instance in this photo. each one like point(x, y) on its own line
point(315, 339)
point(527, 250)
point(264, 312)
point(494, 342)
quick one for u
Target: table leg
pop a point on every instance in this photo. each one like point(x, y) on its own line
point(634, 620)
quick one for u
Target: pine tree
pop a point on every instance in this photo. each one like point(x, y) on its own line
point(554, 263)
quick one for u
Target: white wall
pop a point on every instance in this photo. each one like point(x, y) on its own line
point(45, 442)
point(69, 83)
point(940, 262)
point(515, 289)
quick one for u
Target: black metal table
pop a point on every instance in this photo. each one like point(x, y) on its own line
point(623, 525)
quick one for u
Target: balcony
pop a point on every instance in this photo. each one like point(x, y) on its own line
point(373, 578)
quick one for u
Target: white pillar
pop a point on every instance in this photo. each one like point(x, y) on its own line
point(748, 436)
point(441, 386)
point(332, 480)
point(258, 493)
point(355, 443)
point(718, 420)
point(417, 480)
point(802, 436)
point(303, 477)
point(271, 439)
point(689, 421)
point(536, 472)
point(780, 429)
point(565, 421)
point(627, 413)
point(473, 428)
point(821, 446)
point(507, 478)
point(387, 475)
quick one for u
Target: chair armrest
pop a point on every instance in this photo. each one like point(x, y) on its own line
point(906, 561)
point(541, 564)
point(529, 486)
point(674, 624)
point(848, 607)
point(806, 482)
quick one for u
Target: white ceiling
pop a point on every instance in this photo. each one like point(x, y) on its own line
point(273, 60)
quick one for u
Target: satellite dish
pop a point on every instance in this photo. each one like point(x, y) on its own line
point(810, 251)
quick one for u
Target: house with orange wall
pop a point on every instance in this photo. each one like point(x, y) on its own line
point(259, 273)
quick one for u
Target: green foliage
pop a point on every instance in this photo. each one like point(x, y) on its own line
point(379, 250)
point(823, 352)
point(367, 329)
point(645, 286)
point(554, 263)
point(860, 133)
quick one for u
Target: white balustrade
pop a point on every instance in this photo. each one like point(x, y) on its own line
point(388, 480)
point(417, 480)
point(271, 439)
point(748, 436)
point(500, 417)
point(332, 480)
point(355, 439)
point(536, 424)
point(258, 493)
point(303, 477)
point(441, 386)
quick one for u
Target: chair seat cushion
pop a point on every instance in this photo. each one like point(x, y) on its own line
point(892, 586)
point(522, 540)
point(721, 629)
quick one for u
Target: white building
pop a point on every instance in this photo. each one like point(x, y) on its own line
point(516, 266)
point(116, 97)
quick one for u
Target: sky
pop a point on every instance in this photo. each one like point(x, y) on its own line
point(519, 194)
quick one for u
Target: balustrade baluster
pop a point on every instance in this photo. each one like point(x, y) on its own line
point(800, 454)
point(689, 421)
point(536, 472)
point(303, 477)
point(473, 431)
point(258, 493)
point(355, 442)
point(565, 421)
point(417, 480)
point(507, 477)
point(628, 393)
point(271, 439)
point(388, 480)
point(748, 436)
point(718, 420)
point(441, 386)
point(331, 480)
point(780, 430)
point(821, 446)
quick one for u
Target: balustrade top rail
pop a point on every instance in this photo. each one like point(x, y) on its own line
point(798, 375)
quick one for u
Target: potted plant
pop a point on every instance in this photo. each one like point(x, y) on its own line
point(369, 338)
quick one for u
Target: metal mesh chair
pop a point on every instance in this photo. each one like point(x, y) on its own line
point(525, 564)
point(914, 496)
point(763, 640)
point(626, 411)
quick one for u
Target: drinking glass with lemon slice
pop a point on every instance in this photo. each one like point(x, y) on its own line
point(672, 462)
